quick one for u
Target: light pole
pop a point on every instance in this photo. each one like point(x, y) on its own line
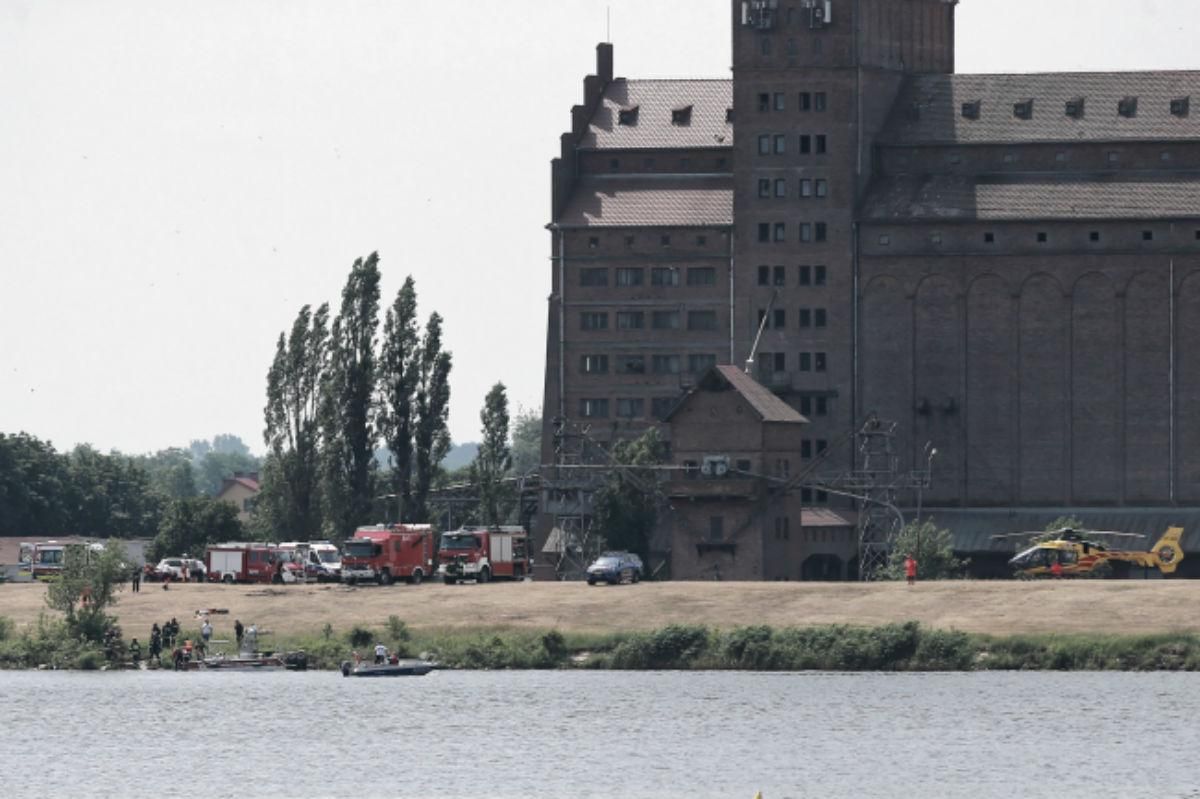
point(930, 451)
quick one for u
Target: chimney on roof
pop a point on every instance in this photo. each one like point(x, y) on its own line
point(604, 62)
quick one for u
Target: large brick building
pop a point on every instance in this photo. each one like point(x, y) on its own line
point(1006, 265)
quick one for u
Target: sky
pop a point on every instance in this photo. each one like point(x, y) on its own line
point(177, 179)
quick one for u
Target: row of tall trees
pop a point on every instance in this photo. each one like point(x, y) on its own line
point(335, 391)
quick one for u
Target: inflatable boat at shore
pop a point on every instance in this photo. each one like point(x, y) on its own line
point(399, 668)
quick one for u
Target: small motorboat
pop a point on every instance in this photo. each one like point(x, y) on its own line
point(397, 668)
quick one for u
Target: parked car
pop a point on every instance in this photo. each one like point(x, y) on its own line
point(179, 568)
point(615, 567)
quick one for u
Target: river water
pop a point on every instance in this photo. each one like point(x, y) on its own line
point(601, 734)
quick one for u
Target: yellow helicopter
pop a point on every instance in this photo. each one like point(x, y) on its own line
point(1068, 551)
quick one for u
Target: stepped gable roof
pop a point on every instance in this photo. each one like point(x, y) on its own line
point(636, 201)
point(929, 108)
point(653, 125)
point(764, 402)
point(1014, 197)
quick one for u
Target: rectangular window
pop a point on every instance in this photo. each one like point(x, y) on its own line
point(631, 320)
point(780, 319)
point(593, 408)
point(629, 276)
point(698, 364)
point(665, 320)
point(822, 187)
point(806, 449)
point(805, 144)
point(666, 364)
point(818, 362)
point(806, 362)
point(819, 101)
point(764, 144)
point(780, 187)
point(819, 318)
point(805, 101)
point(780, 144)
point(820, 230)
point(806, 406)
point(779, 276)
point(764, 275)
point(593, 320)
point(805, 317)
point(806, 187)
point(661, 406)
point(819, 147)
point(764, 102)
point(821, 406)
point(780, 103)
point(593, 276)
point(702, 320)
point(780, 231)
point(701, 276)
point(630, 408)
point(664, 276)
point(806, 231)
point(818, 276)
point(806, 276)
point(764, 187)
point(764, 231)
point(631, 364)
point(593, 364)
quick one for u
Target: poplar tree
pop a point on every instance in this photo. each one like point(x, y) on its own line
point(290, 498)
point(399, 375)
point(348, 409)
point(494, 458)
point(431, 437)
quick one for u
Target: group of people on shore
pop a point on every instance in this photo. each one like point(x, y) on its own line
point(167, 638)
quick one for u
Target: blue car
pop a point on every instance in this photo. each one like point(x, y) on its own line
point(614, 568)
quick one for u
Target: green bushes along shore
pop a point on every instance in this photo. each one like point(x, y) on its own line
point(892, 647)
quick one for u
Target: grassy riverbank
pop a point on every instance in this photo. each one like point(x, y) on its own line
point(907, 646)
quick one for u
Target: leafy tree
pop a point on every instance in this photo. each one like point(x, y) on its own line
point(34, 482)
point(189, 525)
point(625, 509)
point(348, 408)
point(400, 372)
point(527, 442)
point(933, 548)
point(431, 438)
point(110, 496)
point(494, 458)
point(170, 471)
point(88, 586)
point(290, 501)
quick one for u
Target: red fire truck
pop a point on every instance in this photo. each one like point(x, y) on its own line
point(251, 563)
point(484, 553)
point(386, 553)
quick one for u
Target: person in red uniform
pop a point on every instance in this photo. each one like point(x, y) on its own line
point(910, 569)
point(1056, 569)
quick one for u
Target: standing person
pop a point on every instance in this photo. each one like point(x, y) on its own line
point(174, 630)
point(177, 657)
point(238, 631)
point(910, 569)
point(380, 653)
point(206, 632)
point(155, 644)
point(136, 579)
point(135, 653)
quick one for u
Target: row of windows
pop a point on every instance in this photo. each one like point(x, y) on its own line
point(626, 407)
point(659, 320)
point(805, 101)
point(628, 276)
point(1075, 108)
point(957, 158)
point(664, 240)
point(772, 363)
point(777, 275)
point(1041, 237)
point(807, 187)
point(649, 163)
point(777, 231)
point(661, 364)
point(776, 144)
point(807, 317)
point(812, 446)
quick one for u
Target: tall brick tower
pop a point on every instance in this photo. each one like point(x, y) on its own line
point(813, 83)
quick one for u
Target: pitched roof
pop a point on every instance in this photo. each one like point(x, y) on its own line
point(764, 402)
point(999, 198)
point(630, 201)
point(939, 99)
point(653, 128)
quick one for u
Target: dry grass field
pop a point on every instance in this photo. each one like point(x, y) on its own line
point(999, 608)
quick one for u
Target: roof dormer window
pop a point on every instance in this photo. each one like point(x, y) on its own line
point(729, 115)
point(1023, 109)
point(1075, 108)
point(681, 115)
point(971, 110)
point(1127, 107)
point(628, 116)
point(1180, 106)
